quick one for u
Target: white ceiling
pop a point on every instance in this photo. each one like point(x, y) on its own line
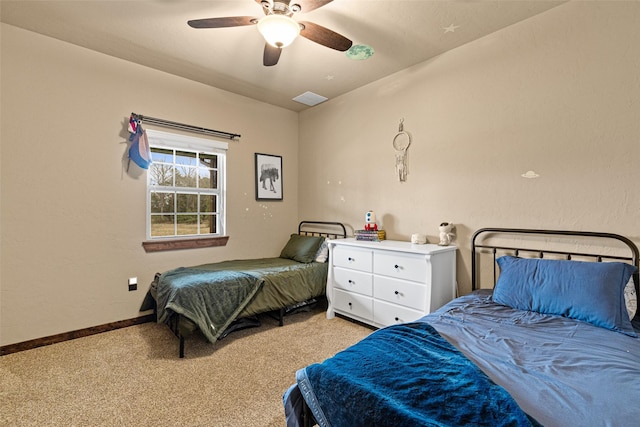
point(155, 34)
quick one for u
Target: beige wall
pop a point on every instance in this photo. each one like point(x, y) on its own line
point(558, 94)
point(72, 219)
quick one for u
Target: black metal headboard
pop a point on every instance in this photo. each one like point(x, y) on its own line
point(332, 230)
point(477, 244)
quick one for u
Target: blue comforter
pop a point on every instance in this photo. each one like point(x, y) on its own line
point(560, 371)
point(428, 383)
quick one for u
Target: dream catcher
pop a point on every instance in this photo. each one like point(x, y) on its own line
point(401, 143)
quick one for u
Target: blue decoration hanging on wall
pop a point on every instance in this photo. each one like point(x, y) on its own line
point(139, 151)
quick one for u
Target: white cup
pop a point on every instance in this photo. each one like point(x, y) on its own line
point(418, 239)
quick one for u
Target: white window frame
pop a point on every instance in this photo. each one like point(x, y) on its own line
point(166, 140)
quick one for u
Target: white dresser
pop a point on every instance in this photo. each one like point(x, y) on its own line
point(381, 283)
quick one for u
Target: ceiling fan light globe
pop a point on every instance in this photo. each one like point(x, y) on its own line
point(278, 30)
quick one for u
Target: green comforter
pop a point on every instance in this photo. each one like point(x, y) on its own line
point(213, 295)
point(210, 299)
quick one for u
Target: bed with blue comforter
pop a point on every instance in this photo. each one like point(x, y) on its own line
point(552, 344)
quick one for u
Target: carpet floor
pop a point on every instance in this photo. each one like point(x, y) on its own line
point(133, 376)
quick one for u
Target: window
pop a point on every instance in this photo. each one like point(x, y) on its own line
point(185, 187)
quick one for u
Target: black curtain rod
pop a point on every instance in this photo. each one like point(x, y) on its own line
point(182, 126)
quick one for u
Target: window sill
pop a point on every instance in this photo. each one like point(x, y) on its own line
point(176, 244)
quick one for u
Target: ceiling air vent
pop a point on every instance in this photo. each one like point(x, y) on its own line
point(310, 99)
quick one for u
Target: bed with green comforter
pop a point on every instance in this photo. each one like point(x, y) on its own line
point(215, 297)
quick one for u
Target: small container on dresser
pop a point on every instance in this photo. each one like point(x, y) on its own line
point(386, 282)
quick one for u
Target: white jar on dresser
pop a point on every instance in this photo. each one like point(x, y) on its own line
point(386, 282)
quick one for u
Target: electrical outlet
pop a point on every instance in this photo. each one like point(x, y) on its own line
point(133, 283)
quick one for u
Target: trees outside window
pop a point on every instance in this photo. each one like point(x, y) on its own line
point(185, 186)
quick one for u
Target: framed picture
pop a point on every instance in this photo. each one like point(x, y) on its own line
point(268, 177)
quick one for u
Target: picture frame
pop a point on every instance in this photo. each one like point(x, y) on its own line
point(268, 169)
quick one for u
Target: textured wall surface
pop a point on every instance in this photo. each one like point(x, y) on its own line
point(73, 218)
point(557, 94)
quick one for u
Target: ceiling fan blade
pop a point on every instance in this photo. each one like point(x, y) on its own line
point(271, 55)
point(231, 21)
point(324, 36)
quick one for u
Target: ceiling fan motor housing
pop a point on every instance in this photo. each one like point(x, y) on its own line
point(278, 27)
point(281, 8)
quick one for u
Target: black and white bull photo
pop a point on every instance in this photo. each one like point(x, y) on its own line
point(269, 172)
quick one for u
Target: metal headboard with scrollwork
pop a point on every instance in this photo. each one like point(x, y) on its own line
point(479, 237)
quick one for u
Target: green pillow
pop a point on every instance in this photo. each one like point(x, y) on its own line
point(301, 248)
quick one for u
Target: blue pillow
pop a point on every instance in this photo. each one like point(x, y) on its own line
point(589, 291)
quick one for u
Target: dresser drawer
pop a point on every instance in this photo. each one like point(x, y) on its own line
point(355, 258)
point(387, 282)
point(388, 314)
point(401, 265)
point(353, 280)
point(353, 304)
point(409, 294)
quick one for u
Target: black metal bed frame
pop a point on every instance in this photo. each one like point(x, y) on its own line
point(322, 228)
point(634, 256)
point(332, 230)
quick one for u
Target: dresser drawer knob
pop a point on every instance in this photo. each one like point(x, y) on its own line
point(350, 259)
point(397, 292)
point(351, 282)
point(396, 266)
point(397, 319)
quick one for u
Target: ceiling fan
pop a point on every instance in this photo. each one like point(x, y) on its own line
point(278, 27)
